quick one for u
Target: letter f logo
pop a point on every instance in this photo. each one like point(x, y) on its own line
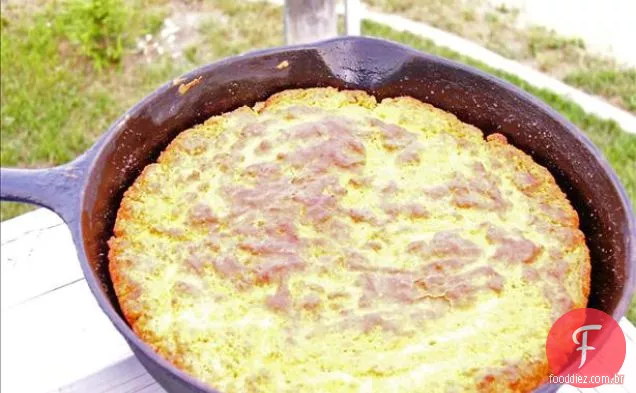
point(584, 347)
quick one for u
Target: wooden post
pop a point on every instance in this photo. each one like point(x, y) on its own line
point(310, 20)
point(353, 10)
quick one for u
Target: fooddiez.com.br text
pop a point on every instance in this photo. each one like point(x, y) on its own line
point(583, 379)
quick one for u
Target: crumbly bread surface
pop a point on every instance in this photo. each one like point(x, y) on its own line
point(324, 242)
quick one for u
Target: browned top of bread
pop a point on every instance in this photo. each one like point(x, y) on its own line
point(322, 241)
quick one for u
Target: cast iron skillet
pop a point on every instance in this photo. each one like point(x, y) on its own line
point(86, 192)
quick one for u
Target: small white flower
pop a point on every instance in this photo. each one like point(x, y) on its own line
point(169, 23)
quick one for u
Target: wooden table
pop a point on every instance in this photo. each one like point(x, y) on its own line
point(55, 337)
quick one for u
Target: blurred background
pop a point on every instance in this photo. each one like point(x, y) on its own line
point(70, 68)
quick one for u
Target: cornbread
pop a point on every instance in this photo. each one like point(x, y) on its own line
point(324, 242)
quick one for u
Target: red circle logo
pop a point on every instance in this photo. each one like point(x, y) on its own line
point(585, 348)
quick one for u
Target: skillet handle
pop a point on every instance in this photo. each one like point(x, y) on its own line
point(55, 188)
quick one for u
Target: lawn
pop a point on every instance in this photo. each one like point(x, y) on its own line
point(497, 29)
point(70, 69)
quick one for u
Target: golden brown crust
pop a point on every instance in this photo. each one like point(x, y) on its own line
point(522, 377)
point(312, 217)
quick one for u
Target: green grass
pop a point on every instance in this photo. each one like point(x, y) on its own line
point(51, 112)
point(45, 115)
point(608, 82)
point(496, 28)
point(55, 102)
point(249, 26)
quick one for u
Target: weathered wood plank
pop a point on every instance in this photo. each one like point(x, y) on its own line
point(56, 339)
point(609, 389)
point(628, 329)
point(353, 16)
point(629, 366)
point(126, 376)
point(152, 388)
point(310, 20)
point(34, 220)
point(41, 260)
